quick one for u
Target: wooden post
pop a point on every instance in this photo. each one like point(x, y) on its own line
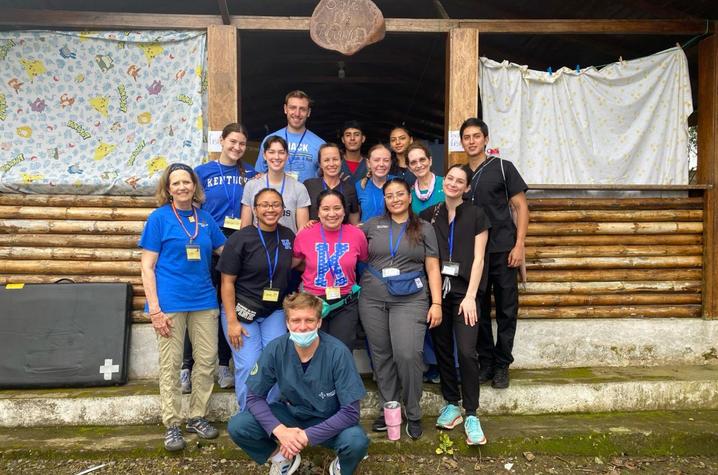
point(462, 85)
point(708, 168)
point(222, 75)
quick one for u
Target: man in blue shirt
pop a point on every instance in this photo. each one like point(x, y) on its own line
point(320, 395)
point(303, 144)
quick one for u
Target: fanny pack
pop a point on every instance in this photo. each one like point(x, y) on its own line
point(400, 285)
point(329, 308)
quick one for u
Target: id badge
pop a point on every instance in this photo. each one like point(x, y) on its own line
point(390, 272)
point(294, 175)
point(193, 253)
point(270, 295)
point(450, 268)
point(232, 223)
point(333, 293)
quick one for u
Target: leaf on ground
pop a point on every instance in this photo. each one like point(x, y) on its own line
point(529, 456)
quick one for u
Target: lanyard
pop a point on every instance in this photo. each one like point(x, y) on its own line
point(393, 250)
point(193, 236)
point(272, 268)
point(224, 185)
point(340, 186)
point(477, 175)
point(296, 150)
point(339, 240)
point(451, 239)
point(284, 181)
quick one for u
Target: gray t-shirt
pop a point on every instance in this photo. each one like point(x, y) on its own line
point(295, 196)
point(409, 257)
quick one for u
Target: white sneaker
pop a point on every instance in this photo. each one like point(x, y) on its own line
point(225, 378)
point(186, 381)
point(334, 468)
point(286, 466)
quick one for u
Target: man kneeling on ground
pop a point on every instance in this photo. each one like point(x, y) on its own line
point(320, 395)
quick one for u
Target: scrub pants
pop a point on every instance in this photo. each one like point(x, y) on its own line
point(350, 445)
point(452, 328)
point(395, 331)
point(342, 323)
point(502, 279)
point(202, 327)
point(261, 332)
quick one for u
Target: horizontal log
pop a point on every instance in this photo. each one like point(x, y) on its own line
point(135, 280)
point(562, 300)
point(19, 199)
point(71, 253)
point(618, 187)
point(645, 311)
point(615, 287)
point(599, 275)
point(558, 204)
point(83, 213)
point(71, 267)
point(602, 239)
point(600, 216)
point(611, 251)
point(112, 241)
point(33, 226)
point(651, 262)
point(553, 229)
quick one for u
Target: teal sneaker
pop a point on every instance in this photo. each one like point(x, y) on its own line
point(449, 417)
point(474, 433)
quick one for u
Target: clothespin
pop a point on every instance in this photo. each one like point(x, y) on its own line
point(578, 69)
point(620, 59)
point(550, 71)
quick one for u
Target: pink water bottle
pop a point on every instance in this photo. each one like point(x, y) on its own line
point(392, 417)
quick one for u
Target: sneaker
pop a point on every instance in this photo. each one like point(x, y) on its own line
point(173, 439)
point(379, 424)
point(486, 373)
point(202, 428)
point(474, 433)
point(334, 468)
point(286, 466)
point(413, 429)
point(186, 381)
point(431, 376)
point(449, 417)
point(225, 378)
point(501, 378)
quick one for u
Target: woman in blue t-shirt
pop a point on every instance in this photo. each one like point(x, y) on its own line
point(177, 245)
point(369, 188)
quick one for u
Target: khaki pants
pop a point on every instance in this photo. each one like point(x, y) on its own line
point(202, 327)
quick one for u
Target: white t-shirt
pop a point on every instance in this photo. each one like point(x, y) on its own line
point(295, 196)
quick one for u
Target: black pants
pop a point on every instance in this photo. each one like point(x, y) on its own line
point(223, 351)
point(453, 326)
point(342, 323)
point(502, 281)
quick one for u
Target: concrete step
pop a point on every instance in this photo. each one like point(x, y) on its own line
point(545, 343)
point(651, 433)
point(539, 391)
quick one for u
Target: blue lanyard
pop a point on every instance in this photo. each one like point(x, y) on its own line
point(341, 186)
point(324, 239)
point(234, 188)
point(284, 181)
point(393, 250)
point(293, 156)
point(272, 268)
point(451, 239)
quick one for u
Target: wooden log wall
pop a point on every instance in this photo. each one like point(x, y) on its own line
point(586, 258)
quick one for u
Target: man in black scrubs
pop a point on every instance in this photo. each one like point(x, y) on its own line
point(497, 186)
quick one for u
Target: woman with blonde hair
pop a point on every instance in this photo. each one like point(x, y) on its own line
point(369, 188)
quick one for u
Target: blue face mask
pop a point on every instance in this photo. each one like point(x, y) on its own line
point(303, 339)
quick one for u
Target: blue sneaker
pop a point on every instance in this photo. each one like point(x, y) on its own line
point(474, 433)
point(449, 417)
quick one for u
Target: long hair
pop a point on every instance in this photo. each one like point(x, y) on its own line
point(366, 178)
point(240, 129)
point(413, 229)
point(162, 193)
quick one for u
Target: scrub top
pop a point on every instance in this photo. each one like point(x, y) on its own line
point(371, 199)
point(346, 187)
point(330, 381)
point(437, 196)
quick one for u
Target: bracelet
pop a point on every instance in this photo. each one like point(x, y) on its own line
point(156, 313)
point(436, 304)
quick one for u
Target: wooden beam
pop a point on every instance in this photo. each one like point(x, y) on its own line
point(224, 11)
point(462, 85)
point(708, 167)
point(24, 18)
point(222, 81)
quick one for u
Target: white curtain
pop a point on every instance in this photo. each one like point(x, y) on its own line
point(623, 124)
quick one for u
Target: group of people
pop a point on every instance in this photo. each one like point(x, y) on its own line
point(318, 236)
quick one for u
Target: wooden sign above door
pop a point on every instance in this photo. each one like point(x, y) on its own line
point(346, 26)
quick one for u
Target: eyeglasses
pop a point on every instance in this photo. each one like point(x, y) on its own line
point(422, 160)
point(269, 205)
point(398, 195)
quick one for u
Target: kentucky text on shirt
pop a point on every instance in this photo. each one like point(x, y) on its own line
point(225, 179)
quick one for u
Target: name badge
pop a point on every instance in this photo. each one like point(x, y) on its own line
point(390, 272)
point(232, 223)
point(333, 293)
point(193, 253)
point(294, 175)
point(190, 219)
point(450, 268)
point(270, 295)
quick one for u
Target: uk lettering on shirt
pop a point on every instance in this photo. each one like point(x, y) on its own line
point(287, 244)
point(324, 395)
point(325, 262)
